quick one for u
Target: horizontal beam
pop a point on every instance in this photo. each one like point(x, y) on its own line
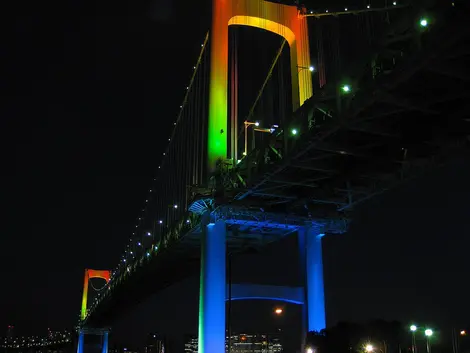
point(293, 295)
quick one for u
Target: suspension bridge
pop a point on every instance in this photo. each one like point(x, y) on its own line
point(354, 103)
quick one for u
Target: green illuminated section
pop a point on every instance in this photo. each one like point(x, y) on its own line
point(217, 134)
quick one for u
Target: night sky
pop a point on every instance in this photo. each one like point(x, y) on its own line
point(90, 90)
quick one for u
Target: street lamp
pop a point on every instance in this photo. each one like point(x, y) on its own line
point(428, 333)
point(413, 329)
point(309, 68)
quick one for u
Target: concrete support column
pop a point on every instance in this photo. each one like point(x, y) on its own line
point(81, 342)
point(104, 347)
point(312, 263)
point(212, 287)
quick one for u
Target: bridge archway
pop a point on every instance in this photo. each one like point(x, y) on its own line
point(89, 274)
point(286, 21)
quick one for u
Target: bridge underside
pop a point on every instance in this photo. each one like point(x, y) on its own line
point(350, 147)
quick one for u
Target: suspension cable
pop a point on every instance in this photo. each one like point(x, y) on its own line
point(268, 76)
point(98, 290)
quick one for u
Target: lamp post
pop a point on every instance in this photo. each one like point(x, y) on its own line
point(413, 329)
point(247, 124)
point(428, 333)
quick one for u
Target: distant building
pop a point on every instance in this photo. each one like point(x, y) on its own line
point(243, 343)
point(190, 344)
point(10, 331)
point(155, 344)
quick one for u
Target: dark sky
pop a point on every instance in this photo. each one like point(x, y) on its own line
point(90, 91)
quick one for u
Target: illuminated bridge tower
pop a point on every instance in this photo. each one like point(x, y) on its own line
point(290, 23)
point(89, 274)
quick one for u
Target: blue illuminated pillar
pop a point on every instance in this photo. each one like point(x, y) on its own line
point(311, 258)
point(104, 347)
point(81, 342)
point(212, 287)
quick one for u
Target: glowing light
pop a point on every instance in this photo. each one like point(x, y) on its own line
point(311, 68)
point(423, 22)
point(256, 123)
point(345, 9)
point(368, 6)
point(463, 333)
point(394, 3)
point(413, 328)
point(346, 88)
point(175, 206)
point(428, 332)
point(160, 221)
point(369, 348)
point(309, 350)
point(294, 131)
point(148, 233)
point(278, 311)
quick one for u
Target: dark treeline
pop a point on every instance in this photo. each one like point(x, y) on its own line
point(384, 337)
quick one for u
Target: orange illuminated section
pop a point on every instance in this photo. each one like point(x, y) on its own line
point(89, 274)
point(286, 21)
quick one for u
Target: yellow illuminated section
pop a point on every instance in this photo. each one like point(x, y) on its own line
point(104, 274)
point(286, 21)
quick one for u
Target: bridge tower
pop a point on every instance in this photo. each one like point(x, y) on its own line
point(90, 274)
point(287, 21)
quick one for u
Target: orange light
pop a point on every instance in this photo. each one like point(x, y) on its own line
point(463, 333)
point(278, 311)
point(243, 338)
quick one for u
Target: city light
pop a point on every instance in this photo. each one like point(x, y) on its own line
point(413, 328)
point(428, 332)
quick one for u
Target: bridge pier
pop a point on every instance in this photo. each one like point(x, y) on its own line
point(310, 248)
point(211, 338)
point(104, 333)
point(104, 346)
point(81, 341)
